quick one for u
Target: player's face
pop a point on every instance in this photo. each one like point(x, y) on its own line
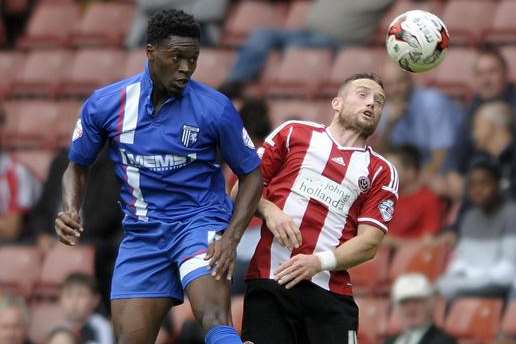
point(359, 106)
point(490, 78)
point(172, 62)
point(482, 187)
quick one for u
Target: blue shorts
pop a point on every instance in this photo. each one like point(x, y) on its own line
point(157, 259)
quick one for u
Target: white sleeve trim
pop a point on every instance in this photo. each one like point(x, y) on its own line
point(393, 191)
point(376, 222)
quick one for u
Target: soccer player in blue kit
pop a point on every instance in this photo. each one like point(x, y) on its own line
point(167, 135)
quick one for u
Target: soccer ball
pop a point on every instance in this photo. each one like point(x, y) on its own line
point(417, 40)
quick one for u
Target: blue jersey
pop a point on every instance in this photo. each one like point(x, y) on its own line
point(167, 161)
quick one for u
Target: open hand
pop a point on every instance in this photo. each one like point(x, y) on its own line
point(298, 268)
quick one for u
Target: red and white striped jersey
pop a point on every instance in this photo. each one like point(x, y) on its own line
point(327, 190)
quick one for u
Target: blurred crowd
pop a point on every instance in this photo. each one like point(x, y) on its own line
point(455, 157)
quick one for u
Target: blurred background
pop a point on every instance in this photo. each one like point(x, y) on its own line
point(450, 133)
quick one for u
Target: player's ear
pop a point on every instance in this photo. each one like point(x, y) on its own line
point(149, 50)
point(336, 103)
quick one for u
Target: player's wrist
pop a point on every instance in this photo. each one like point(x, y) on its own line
point(327, 259)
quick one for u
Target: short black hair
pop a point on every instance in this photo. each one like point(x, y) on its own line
point(491, 50)
point(166, 23)
point(409, 155)
point(256, 119)
point(357, 76)
point(486, 164)
point(82, 279)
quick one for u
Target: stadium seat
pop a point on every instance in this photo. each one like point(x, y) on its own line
point(213, 66)
point(237, 311)
point(503, 30)
point(247, 16)
point(19, 268)
point(394, 324)
point(454, 75)
point(59, 262)
point(10, 64)
point(467, 19)
point(373, 316)
point(135, 62)
point(44, 317)
point(30, 123)
point(284, 110)
point(353, 60)
point(474, 319)
point(96, 26)
point(68, 112)
point(301, 73)
point(509, 52)
point(36, 160)
point(32, 80)
point(50, 25)
point(372, 277)
point(297, 14)
point(429, 259)
point(509, 320)
point(92, 68)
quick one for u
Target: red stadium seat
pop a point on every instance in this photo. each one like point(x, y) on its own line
point(429, 259)
point(237, 312)
point(353, 60)
point(32, 80)
point(301, 73)
point(503, 29)
point(454, 75)
point(19, 268)
point(509, 320)
point(372, 321)
point(92, 68)
point(474, 319)
point(96, 26)
point(509, 52)
point(10, 64)
point(36, 160)
point(284, 110)
point(50, 25)
point(135, 63)
point(297, 14)
point(68, 112)
point(30, 123)
point(467, 19)
point(59, 263)
point(213, 66)
point(247, 16)
point(372, 277)
point(44, 317)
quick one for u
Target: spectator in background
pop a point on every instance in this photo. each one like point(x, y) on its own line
point(78, 299)
point(61, 335)
point(329, 24)
point(14, 16)
point(423, 117)
point(484, 261)
point(208, 13)
point(418, 211)
point(413, 295)
point(19, 190)
point(490, 117)
point(14, 320)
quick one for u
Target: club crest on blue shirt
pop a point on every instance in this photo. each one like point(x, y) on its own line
point(189, 135)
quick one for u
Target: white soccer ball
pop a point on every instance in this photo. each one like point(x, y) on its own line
point(417, 40)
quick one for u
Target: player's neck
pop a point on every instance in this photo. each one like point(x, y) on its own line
point(346, 137)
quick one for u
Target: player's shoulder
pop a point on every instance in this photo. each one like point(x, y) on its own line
point(107, 92)
point(380, 166)
point(208, 96)
point(296, 124)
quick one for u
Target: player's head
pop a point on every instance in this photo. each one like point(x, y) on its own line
point(359, 103)
point(407, 160)
point(14, 320)
point(491, 117)
point(490, 73)
point(172, 49)
point(413, 295)
point(397, 82)
point(79, 297)
point(255, 116)
point(483, 183)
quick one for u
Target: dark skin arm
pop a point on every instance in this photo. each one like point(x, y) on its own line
point(68, 222)
point(221, 253)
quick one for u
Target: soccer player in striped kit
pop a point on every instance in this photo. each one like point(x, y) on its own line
point(327, 203)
